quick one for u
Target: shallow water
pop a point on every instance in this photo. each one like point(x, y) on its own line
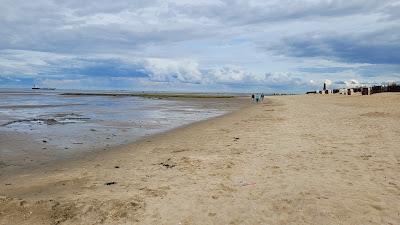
point(36, 127)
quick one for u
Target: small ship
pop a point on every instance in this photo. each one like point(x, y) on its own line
point(46, 89)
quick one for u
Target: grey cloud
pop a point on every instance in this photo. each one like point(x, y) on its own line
point(391, 11)
point(90, 27)
point(339, 82)
point(253, 12)
point(375, 71)
point(73, 26)
point(323, 69)
point(377, 47)
point(105, 6)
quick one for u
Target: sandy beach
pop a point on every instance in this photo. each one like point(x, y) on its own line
point(318, 159)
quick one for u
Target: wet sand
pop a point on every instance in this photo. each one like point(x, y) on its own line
point(35, 133)
point(291, 160)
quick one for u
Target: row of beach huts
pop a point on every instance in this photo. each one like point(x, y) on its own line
point(363, 90)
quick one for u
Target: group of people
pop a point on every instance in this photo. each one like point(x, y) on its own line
point(257, 97)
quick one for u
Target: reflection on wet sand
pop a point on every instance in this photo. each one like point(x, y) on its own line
point(39, 128)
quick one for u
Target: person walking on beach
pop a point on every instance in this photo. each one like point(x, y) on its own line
point(252, 97)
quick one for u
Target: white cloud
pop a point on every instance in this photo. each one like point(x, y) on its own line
point(328, 82)
point(352, 83)
point(164, 70)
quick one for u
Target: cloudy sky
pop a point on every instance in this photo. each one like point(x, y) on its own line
point(204, 45)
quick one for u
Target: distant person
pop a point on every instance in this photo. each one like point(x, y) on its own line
point(262, 97)
point(252, 97)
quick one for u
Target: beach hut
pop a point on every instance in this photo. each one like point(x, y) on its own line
point(376, 89)
point(343, 91)
point(350, 91)
point(365, 91)
point(393, 87)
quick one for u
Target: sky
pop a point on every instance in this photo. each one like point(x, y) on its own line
point(199, 46)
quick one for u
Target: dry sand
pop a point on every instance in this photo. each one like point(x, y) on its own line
point(290, 160)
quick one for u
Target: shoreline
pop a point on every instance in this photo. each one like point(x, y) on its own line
point(87, 155)
point(150, 95)
point(280, 162)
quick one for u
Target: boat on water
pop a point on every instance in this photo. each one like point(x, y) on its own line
point(39, 88)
